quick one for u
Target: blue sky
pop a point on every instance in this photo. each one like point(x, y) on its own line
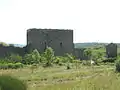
point(91, 20)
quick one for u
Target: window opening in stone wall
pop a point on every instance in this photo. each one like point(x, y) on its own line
point(45, 46)
point(61, 44)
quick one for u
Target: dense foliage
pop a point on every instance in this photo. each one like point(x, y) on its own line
point(47, 59)
point(9, 83)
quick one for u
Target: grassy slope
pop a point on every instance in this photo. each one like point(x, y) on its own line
point(58, 78)
point(88, 45)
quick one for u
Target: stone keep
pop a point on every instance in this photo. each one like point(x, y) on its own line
point(61, 41)
point(111, 50)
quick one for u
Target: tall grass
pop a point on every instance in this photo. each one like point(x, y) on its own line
point(58, 78)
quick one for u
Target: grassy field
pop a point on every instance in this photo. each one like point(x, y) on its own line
point(59, 78)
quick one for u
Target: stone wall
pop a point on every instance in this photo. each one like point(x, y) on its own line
point(79, 53)
point(7, 50)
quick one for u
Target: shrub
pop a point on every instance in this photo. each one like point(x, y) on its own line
point(48, 56)
point(32, 58)
point(77, 63)
point(88, 53)
point(14, 58)
point(117, 66)
point(10, 83)
point(3, 44)
point(4, 60)
point(86, 62)
point(111, 60)
point(11, 65)
point(70, 57)
point(68, 66)
point(62, 59)
point(33, 67)
point(18, 65)
point(3, 66)
point(60, 64)
point(59, 60)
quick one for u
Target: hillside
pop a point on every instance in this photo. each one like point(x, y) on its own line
point(76, 45)
point(92, 44)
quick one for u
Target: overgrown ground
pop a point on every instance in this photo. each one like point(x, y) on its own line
point(67, 73)
point(101, 77)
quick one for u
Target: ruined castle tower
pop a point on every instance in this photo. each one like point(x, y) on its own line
point(61, 41)
point(111, 50)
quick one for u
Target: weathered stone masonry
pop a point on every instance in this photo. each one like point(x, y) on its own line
point(60, 40)
point(7, 50)
point(111, 50)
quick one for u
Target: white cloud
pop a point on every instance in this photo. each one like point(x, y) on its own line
point(92, 20)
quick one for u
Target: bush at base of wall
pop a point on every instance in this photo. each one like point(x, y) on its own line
point(11, 66)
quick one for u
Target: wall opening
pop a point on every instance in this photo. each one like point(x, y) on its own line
point(45, 46)
point(61, 44)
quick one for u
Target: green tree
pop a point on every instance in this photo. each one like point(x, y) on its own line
point(70, 57)
point(3, 44)
point(36, 56)
point(48, 56)
point(88, 52)
point(32, 58)
point(97, 57)
point(27, 59)
point(117, 64)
